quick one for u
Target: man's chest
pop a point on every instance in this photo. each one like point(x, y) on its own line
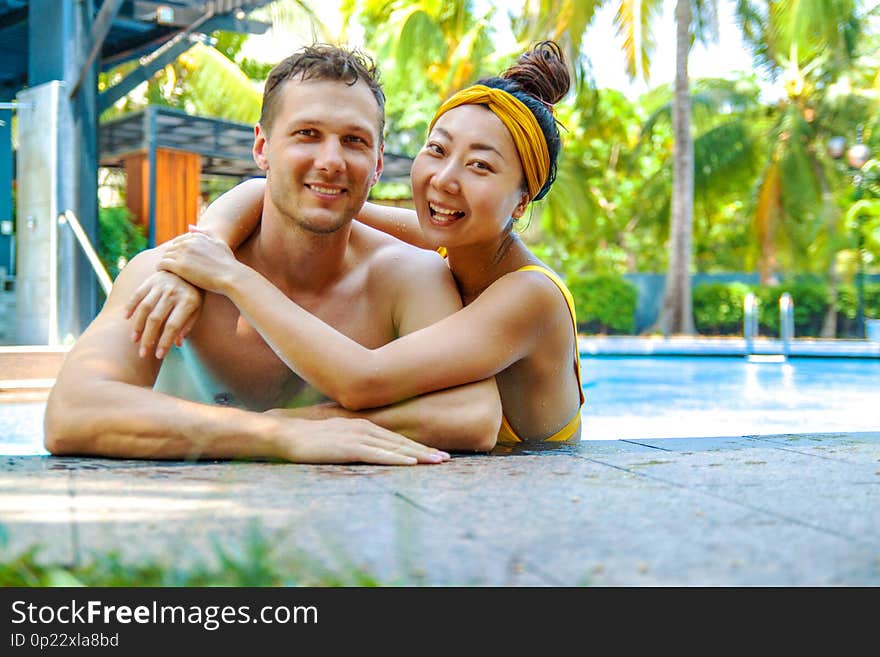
point(237, 356)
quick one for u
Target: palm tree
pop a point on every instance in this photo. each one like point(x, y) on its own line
point(676, 313)
point(427, 49)
point(633, 19)
point(813, 49)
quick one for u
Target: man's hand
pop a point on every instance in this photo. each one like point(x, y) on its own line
point(162, 310)
point(343, 440)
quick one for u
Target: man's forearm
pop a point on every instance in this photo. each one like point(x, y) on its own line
point(114, 419)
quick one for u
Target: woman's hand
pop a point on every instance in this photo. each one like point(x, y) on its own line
point(163, 310)
point(200, 258)
point(347, 440)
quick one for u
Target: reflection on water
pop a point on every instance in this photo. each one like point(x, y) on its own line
point(21, 428)
point(636, 397)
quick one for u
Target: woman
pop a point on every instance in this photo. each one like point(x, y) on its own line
point(491, 150)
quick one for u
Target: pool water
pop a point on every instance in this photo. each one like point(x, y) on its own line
point(21, 428)
point(632, 397)
point(656, 397)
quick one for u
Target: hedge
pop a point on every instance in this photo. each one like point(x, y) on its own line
point(718, 307)
point(605, 303)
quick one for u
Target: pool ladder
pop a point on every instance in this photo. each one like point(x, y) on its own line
point(750, 327)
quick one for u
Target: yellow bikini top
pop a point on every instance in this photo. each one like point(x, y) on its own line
point(506, 434)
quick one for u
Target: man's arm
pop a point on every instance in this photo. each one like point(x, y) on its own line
point(103, 405)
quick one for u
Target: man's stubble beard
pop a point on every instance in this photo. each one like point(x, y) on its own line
point(290, 215)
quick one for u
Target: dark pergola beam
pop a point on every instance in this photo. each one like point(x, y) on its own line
point(100, 30)
point(141, 74)
point(224, 22)
point(14, 17)
point(230, 23)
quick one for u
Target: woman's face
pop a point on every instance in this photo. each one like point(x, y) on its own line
point(467, 180)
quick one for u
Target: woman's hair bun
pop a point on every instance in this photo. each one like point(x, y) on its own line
point(541, 72)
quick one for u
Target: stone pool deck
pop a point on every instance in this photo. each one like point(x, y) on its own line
point(769, 511)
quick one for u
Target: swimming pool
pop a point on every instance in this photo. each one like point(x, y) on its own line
point(665, 397)
point(630, 397)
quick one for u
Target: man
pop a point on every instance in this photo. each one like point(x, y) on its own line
point(320, 142)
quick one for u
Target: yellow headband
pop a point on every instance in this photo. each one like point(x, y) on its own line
point(519, 120)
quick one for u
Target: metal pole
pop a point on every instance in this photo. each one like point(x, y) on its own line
point(860, 284)
point(860, 266)
point(100, 29)
point(786, 322)
point(750, 321)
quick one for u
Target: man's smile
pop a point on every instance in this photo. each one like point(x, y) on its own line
point(325, 190)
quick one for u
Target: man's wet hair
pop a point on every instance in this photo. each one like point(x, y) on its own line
point(322, 61)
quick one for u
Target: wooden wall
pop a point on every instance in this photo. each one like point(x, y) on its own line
point(177, 191)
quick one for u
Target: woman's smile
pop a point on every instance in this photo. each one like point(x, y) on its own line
point(442, 215)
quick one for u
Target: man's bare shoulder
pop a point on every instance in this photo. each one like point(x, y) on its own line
point(416, 282)
point(394, 259)
point(141, 266)
point(105, 351)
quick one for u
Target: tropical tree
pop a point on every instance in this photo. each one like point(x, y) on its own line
point(726, 157)
point(633, 20)
point(427, 50)
point(693, 18)
point(814, 50)
point(676, 312)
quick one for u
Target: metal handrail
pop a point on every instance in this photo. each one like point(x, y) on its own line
point(786, 322)
point(67, 217)
point(750, 321)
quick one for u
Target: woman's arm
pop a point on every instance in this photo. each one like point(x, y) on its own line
point(402, 223)
point(164, 308)
point(235, 214)
point(473, 344)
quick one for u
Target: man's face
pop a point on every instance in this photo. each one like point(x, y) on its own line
point(322, 153)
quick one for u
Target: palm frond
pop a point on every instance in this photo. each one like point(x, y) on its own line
point(298, 19)
point(724, 157)
point(633, 23)
point(217, 87)
point(461, 59)
point(767, 216)
point(705, 20)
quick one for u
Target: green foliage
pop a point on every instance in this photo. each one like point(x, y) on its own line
point(609, 209)
point(605, 303)
point(810, 300)
point(847, 301)
point(427, 50)
point(118, 238)
point(251, 562)
point(230, 44)
point(718, 308)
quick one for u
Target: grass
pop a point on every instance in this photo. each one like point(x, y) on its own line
point(253, 562)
